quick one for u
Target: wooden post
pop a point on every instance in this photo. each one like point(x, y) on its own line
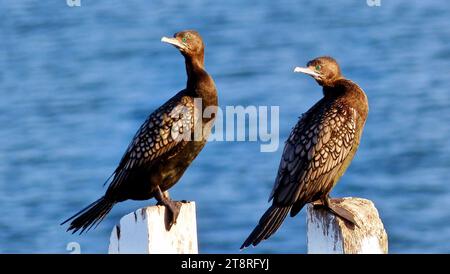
point(331, 235)
point(144, 232)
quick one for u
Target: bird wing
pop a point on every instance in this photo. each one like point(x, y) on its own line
point(316, 147)
point(166, 128)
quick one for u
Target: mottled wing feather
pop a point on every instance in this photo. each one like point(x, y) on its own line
point(167, 127)
point(315, 149)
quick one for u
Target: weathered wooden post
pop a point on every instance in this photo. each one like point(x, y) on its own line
point(332, 235)
point(144, 231)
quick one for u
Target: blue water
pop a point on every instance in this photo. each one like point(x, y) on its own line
point(76, 83)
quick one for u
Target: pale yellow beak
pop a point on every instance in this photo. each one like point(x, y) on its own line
point(307, 71)
point(173, 41)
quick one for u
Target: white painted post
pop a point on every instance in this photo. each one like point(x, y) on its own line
point(329, 234)
point(144, 232)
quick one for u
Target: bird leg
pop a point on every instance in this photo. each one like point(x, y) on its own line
point(336, 209)
point(172, 207)
point(318, 204)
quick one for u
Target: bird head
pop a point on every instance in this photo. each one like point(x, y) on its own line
point(188, 42)
point(325, 70)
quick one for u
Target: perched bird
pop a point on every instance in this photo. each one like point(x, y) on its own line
point(165, 145)
point(318, 151)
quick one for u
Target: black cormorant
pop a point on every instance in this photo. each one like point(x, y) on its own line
point(165, 145)
point(318, 150)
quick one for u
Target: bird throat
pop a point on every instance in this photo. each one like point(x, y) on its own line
point(333, 88)
point(199, 83)
point(194, 70)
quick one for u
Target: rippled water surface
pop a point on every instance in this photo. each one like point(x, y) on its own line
point(75, 84)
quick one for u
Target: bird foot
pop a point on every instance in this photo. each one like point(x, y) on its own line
point(334, 206)
point(172, 207)
point(172, 212)
point(318, 204)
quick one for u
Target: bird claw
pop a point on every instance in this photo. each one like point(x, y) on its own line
point(318, 204)
point(172, 207)
point(334, 207)
point(172, 210)
point(343, 213)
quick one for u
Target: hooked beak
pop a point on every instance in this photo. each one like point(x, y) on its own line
point(173, 41)
point(307, 71)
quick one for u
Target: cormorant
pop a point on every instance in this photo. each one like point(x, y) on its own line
point(165, 145)
point(318, 151)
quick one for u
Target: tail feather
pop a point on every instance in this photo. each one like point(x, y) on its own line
point(268, 225)
point(90, 216)
point(277, 222)
point(272, 217)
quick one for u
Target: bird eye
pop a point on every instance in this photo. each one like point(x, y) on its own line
point(184, 39)
point(318, 67)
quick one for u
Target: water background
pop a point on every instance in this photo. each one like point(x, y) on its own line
point(76, 83)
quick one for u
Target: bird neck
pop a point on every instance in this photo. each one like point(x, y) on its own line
point(347, 90)
point(199, 83)
point(195, 70)
point(333, 89)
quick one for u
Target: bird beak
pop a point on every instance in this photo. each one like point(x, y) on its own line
point(173, 41)
point(307, 71)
